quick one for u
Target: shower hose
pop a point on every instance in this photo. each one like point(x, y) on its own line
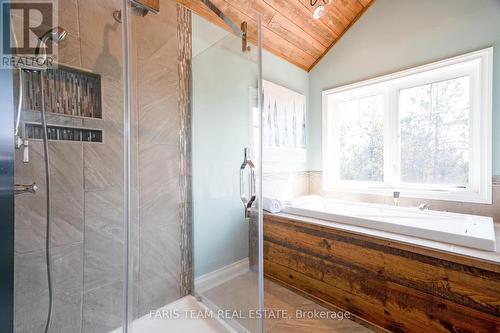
point(48, 196)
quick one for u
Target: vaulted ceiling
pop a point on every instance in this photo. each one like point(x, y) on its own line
point(289, 30)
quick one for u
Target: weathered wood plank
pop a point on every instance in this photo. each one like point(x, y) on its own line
point(289, 31)
point(351, 23)
point(409, 288)
point(333, 19)
point(271, 41)
point(154, 4)
point(302, 15)
point(398, 311)
point(281, 25)
point(349, 8)
point(473, 287)
point(412, 248)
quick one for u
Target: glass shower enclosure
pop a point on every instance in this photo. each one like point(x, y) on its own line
point(137, 171)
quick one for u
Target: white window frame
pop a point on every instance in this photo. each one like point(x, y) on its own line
point(479, 66)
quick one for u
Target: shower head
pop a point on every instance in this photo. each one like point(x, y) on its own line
point(39, 61)
point(57, 35)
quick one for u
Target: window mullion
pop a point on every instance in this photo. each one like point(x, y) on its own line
point(391, 138)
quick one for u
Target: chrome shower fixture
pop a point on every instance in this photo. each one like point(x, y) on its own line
point(137, 9)
point(39, 61)
point(56, 35)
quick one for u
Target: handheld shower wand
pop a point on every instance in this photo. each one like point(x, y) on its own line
point(56, 35)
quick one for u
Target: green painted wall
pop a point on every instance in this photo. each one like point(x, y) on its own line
point(391, 36)
point(222, 77)
point(398, 34)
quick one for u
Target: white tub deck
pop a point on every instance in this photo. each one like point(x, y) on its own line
point(471, 231)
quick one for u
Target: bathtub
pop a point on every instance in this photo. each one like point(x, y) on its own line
point(464, 230)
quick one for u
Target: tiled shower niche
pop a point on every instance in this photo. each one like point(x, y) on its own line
point(63, 133)
point(67, 92)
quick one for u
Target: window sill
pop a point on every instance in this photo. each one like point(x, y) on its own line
point(443, 195)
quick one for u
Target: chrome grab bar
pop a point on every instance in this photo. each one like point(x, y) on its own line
point(25, 188)
point(247, 201)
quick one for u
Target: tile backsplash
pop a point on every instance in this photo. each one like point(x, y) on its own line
point(285, 185)
point(493, 210)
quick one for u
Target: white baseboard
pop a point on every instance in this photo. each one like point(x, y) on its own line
point(219, 276)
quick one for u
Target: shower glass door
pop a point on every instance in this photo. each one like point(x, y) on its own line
point(154, 172)
point(192, 93)
point(227, 270)
point(69, 267)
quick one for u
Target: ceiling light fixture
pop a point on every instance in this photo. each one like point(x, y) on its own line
point(320, 10)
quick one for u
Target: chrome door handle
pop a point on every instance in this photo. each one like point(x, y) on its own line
point(247, 200)
point(25, 188)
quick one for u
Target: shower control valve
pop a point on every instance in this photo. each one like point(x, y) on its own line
point(25, 188)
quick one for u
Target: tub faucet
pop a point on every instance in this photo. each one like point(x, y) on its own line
point(424, 206)
point(395, 196)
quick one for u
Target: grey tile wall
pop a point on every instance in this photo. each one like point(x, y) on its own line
point(101, 53)
point(88, 189)
point(158, 277)
point(493, 210)
point(31, 290)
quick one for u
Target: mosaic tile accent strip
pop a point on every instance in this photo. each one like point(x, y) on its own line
point(185, 95)
point(67, 91)
point(63, 133)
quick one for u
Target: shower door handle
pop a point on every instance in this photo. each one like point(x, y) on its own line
point(249, 197)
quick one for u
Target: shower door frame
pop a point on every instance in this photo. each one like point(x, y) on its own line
point(6, 193)
point(128, 47)
point(257, 204)
point(6, 201)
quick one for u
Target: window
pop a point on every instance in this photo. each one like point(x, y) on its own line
point(425, 132)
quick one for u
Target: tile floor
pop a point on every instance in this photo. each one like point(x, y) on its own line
point(278, 297)
point(232, 295)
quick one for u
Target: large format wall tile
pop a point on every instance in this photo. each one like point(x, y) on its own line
point(155, 293)
point(159, 196)
point(103, 308)
point(103, 248)
point(101, 37)
point(159, 261)
point(104, 162)
point(159, 249)
point(68, 16)
point(69, 51)
point(158, 78)
point(31, 290)
point(88, 183)
point(67, 197)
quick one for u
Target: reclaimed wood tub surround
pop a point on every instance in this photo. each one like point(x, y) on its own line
point(395, 286)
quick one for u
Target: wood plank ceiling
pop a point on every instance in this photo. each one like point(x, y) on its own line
point(289, 31)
